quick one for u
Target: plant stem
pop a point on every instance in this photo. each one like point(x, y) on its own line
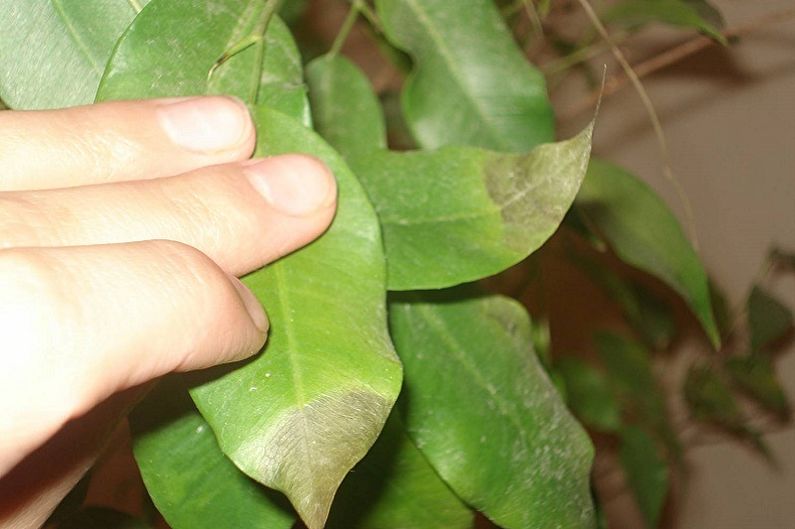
point(653, 117)
point(581, 55)
point(271, 7)
point(674, 55)
point(347, 26)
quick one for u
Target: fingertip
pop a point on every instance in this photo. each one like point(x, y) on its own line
point(293, 184)
point(254, 308)
point(208, 124)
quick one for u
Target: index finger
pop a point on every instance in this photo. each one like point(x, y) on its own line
point(120, 141)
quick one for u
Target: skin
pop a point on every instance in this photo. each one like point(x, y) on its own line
point(123, 227)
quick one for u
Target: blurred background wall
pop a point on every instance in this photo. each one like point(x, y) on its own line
point(729, 117)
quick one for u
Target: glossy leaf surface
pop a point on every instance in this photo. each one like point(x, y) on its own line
point(394, 487)
point(768, 319)
point(345, 110)
point(461, 213)
point(53, 52)
point(173, 46)
point(588, 394)
point(470, 85)
point(644, 233)
point(646, 471)
point(192, 483)
point(695, 14)
point(482, 410)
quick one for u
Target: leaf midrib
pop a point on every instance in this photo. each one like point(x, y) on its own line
point(452, 341)
point(76, 38)
point(443, 50)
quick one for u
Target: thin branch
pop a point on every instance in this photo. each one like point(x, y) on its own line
point(346, 27)
point(655, 119)
point(675, 55)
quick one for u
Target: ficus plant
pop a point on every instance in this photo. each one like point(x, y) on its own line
point(398, 390)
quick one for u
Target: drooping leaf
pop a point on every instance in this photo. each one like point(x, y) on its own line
point(394, 487)
point(481, 409)
point(644, 233)
point(192, 483)
point(471, 85)
point(769, 320)
point(648, 316)
point(696, 14)
point(461, 213)
point(345, 110)
point(174, 45)
point(53, 52)
point(102, 518)
point(491, 209)
point(755, 375)
point(298, 417)
point(646, 471)
point(588, 394)
point(709, 398)
point(707, 11)
point(720, 308)
point(629, 371)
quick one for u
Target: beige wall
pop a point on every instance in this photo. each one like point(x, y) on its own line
point(729, 116)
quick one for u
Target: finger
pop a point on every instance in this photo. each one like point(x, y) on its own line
point(35, 486)
point(241, 215)
point(81, 323)
point(122, 140)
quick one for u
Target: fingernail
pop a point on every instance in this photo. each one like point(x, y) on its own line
point(292, 184)
point(252, 304)
point(206, 123)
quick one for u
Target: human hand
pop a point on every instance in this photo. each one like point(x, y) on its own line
point(122, 226)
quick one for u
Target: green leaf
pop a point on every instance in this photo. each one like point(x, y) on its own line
point(768, 319)
point(646, 471)
point(102, 518)
point(589, 395)
point(710, 399)
point(461, 213)
point(491, 209)
point(695, 14)
point(471, 84)
point(630, 373)
point(192, 483)
point(53, 52)
point(394, 487)
point(651, 318)
point(345, 109)
point(173, 45)
point(755, 375)
point(629, 370)
point(481, 409)
point(302, 414)
point(645, 234)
